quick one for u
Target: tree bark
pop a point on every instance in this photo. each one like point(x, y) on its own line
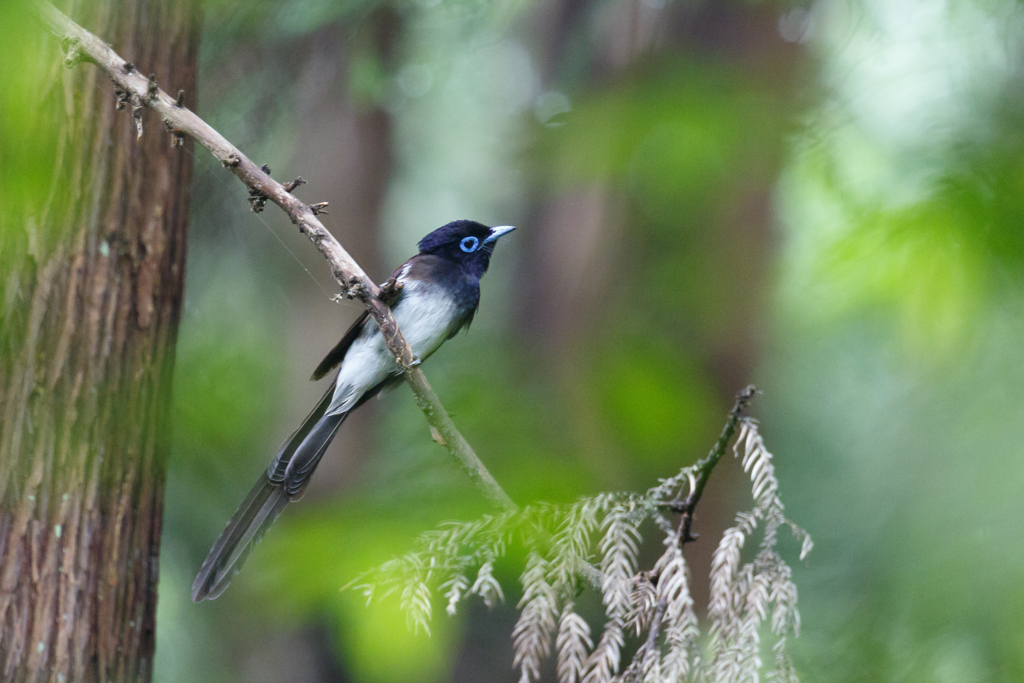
point(90, 297)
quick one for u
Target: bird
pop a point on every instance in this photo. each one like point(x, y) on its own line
point(436, 294)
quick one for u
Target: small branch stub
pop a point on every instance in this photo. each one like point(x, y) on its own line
point(258, 198)
point(137, 114)
point(177, 137)
point(257, 201)
point(318, 209)
point(121, 98)
point(355, 289)
point(73, 54)
point(290, 187)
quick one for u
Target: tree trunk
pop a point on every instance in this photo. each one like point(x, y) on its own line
point(90, 297)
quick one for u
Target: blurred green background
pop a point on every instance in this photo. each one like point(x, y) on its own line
point(824, 199)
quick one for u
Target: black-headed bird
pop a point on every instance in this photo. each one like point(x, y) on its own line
point(438, 295)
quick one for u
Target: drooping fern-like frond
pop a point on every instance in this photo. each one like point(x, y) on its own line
point(741, 596)
point(619, 547)
point(681, 628)
point(594, 543)
point(486, 586)
point(573, 644)
point(533, 632)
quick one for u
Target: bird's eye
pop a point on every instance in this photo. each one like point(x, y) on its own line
point(469, 244)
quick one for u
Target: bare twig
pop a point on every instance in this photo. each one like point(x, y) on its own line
point(290, 186)
point(686, 507)
point(704, 467)
point(140, 91)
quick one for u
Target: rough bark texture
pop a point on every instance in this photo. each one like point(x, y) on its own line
point(91, 294)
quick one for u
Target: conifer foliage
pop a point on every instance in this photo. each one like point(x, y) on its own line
point(593, 544)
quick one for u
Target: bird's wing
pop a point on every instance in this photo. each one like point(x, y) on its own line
point(337, 354)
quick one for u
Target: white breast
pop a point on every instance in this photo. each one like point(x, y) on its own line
point(424, 314)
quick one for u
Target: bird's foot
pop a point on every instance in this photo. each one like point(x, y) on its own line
point(389, 291)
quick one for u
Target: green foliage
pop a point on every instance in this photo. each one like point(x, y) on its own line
point(922, 226)
point(343, 539)
point(226, 360)
point(458, 560)
point(678, 134)
point(655, 402)
point(31, 69)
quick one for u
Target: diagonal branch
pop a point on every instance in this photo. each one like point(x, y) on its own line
point(687, 506)
point(138, 90)
point(704, 467)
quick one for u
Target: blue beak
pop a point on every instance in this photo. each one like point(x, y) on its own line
point(498, 232)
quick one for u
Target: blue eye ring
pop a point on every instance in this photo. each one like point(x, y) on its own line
point(469, 244)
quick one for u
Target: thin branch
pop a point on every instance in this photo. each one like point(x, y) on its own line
point(705, 466)
point(687, 506)
point(138, 90)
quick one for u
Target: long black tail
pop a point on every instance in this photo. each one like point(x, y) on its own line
point(283, 481)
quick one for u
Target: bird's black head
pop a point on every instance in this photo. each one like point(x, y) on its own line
point(466, 242)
